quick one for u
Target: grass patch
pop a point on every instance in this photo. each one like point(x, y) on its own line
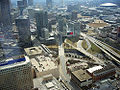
point(56, 46)
point(73, 43)
point(66, 46)
point(53, 46)
point(84, 44)
point(94, 49)
point(74, 39)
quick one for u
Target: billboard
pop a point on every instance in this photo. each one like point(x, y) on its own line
point(1, 37)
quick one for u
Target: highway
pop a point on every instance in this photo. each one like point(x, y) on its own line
point(103, 47)
point(97, 60)
point(88, 43)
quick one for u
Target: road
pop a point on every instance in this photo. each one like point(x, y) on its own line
point(79, 44)
point(88, 44)
point(97, 60)
point(103, 47)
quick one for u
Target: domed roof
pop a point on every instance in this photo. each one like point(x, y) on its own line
point(108, 5)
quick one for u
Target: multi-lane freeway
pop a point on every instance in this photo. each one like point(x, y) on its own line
point(97, 60)
point(103, 47)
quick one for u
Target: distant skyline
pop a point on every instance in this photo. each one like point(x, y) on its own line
point(92, 1)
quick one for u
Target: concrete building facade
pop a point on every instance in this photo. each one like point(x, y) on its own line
point(42, 65)
point(5, 18)
point(99, 72)
point(23, 27)
point(15, 74)
point(81, 78)
point(45, 33)
point(41, 20)
point(30, 2)
point(49, 4)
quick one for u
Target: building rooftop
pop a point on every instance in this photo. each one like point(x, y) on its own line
point(109, 67)
point(108, 5)
point(43, 65)
point(22, 17)
point(77, 66)
point(81, 75)
point(98, 24)
point(33, 51)
point(47, 83)
point(13, 62)
point(93, 69)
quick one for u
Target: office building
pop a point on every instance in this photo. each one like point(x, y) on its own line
point(47, 82)
point(41, 20)
point(70, 30)
point(20, 6)
point(74, 15)
point(62, 3)
point(5, 18)
point(49, 4)
point(45, 33)
point(15, 74)
point(43, 65)
point(31, 12)
point(30, 2)
point(62, 24)
point(99, 72)
point(25, 3)
point(51, 22)
point(81, 78)
point(77, 27)
point(23, 27)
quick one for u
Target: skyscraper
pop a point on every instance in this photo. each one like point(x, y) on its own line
point(30, 2)
point(41, 20)
point(71, 28)
point(25, 3)
point(74, 15)
point(45, 33)
point(15, 74)
point(20, 6)
point(23, 27)
point(49, 4)
point(62, 25)
point(62, 1)
point(5, 12)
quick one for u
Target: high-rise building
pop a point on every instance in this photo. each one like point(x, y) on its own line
point(25, 3)
point(62, 1)
point(30, 2)
point(5, 19)
point(31, 12)
point(45, 33)
point(20, 6)
point(74, 15)
point(71, 30)
point(62, 25)
point(49, 4)
point(41, 20)
point(23, 27)
point(15, 74)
